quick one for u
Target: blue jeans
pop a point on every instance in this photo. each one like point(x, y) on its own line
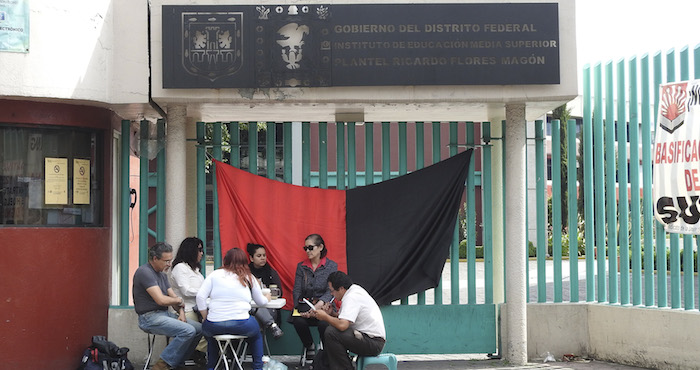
point(248, 327)
point(184, 336)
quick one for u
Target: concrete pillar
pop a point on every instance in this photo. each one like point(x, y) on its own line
point(516, 236)
point(191, 177)
point(176, 172)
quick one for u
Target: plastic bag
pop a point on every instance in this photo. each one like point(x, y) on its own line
point(274, 365)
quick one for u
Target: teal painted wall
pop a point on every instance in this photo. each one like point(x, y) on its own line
point(420, 329)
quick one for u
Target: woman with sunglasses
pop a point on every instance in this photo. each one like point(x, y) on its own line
point(311, 284)
point(185, 279)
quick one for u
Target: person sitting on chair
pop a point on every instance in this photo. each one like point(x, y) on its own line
point(185, 279)
point(310, 282)
point(267, 317)
point(230, 290)
point(358, 326)
point(152, 296)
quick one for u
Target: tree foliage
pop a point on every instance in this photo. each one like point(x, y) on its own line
point(563, 114)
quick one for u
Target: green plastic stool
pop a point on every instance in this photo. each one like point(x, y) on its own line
point(386, 359)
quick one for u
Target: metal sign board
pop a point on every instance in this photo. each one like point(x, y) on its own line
point(320, 45)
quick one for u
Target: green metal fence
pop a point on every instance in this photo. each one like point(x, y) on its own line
point(625, 249)
point(345, 155)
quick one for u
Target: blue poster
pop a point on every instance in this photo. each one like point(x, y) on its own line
point(14, 25)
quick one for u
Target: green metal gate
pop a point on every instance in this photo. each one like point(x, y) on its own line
point(345, 155)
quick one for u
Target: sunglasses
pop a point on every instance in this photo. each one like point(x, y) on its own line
point(309, 247)
point(201, 249)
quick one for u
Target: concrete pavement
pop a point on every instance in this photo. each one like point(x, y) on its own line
point(444, 362)
point(451, 362)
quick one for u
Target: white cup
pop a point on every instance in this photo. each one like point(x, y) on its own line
point(266, 291)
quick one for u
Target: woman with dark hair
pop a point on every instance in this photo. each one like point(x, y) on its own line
point(230, 290)
point(262, 270)
point(311, 283)
point(185, 279)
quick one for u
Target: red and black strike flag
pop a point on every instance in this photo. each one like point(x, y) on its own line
point(392, 238)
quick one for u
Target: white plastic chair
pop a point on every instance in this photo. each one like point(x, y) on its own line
point(225, 342)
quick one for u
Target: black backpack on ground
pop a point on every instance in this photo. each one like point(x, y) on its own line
point(105, 355)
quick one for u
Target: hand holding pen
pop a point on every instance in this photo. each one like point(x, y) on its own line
point(328, 307)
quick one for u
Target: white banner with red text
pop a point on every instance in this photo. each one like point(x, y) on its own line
point(676, 173)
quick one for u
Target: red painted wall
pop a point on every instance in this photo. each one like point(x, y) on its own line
point(54, 294)
point(55, 281)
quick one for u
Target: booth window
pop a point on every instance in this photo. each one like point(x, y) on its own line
point(50, 176)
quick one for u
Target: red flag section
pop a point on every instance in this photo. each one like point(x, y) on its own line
point(255, 209)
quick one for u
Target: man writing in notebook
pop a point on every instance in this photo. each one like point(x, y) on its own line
point(357, 327)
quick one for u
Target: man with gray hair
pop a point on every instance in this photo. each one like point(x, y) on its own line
point(152, 296)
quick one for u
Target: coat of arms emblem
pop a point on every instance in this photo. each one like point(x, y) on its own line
point(212, 44)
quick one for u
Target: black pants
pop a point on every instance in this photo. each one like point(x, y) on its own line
point(338, 343)
point(302, 325)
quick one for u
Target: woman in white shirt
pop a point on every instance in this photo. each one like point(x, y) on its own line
point(230, 290)
point(185, 279)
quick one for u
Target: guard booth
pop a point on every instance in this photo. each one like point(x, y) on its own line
point(352, 94)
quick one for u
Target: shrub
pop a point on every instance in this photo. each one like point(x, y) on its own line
point(531, 250)
point(564, 245)
point(479, 250)
point(668, 260)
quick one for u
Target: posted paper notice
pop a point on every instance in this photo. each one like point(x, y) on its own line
point(56, 180)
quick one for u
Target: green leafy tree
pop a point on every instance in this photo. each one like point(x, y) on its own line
point(226, 148)
point(563, 114)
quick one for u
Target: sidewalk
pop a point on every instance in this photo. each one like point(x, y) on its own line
point(448, 362)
